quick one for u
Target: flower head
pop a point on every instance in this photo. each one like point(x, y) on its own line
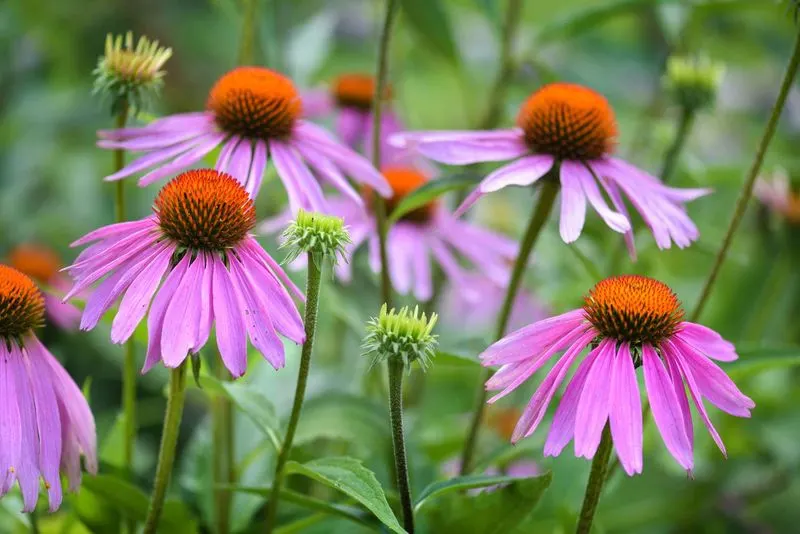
point(43, 265)
point(255, 115)
point(356, 90)
point(130, 74)
point(323, 235)
point(566, 132)
point(693, 82)
point(626, 322)
point(214, 272)
point(405, 335)
point(427, 233)
point(47, 425)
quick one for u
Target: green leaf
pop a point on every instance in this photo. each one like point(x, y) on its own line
point(430, 191)
point(350, 477)
point(112, 450)
point(346, 417)
point(454, 359)
point(132, 502)
point(430, 20)
point(253, 404)
point(490, 512)
point(444, 487)
point(757, 360)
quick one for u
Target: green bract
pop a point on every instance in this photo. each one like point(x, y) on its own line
point(693, 81)
point(404, 334)
point(324, 236)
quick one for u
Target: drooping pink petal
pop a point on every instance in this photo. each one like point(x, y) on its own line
point(151, 159)
point(707, 341)
point(240, 161)
point(265, 259)
point(683, 401)
point(423, 278)
point(156, 141)
point(616, 221)
point(182, 318)
point(351, 126)
point(464, 147)
point(259, 164)
point(401, 242)
point(10, 423)
point(593, 406)
point(625, 415)
point(292, 169)
point(328, 171)
point(573, 205)
point(155, 319)
point(27, 470)
point(231, 330)
point(205, 291)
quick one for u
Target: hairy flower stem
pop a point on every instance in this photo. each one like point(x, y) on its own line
point(129, 361)
point(169, 441)
point(310, 320)
point(747, 187)
point(223, 452)
point(672, 157)
point(541, 213)
point(377, 104)
point(594, 487)
point(396, 372)
point(248, 36)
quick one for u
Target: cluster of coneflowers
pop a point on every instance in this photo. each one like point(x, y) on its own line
point(194, 272)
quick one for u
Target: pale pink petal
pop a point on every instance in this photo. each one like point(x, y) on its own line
point(351, 126)
point(293, 170)
point(625, 415)
point(593, 406)
point(261, 256)
point(231, 330)
point(10, 423)
point(155, 319)
point(27, 470)
point(707, 341)
point(182, 318)
point(205, 145)
point(423, 278)
point(616, 221)
point(464, 147)
point(573, 205)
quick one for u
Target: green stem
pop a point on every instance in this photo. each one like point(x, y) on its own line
point(377, 104)
point(34, 521)
point(747, 188)
point(249, 23)
point(223, 449)
point(494, 112)
point(169, 441)
point(396, 371)
point(594, 487)
point(310, 319)
point(685, 123)
point(541, 213)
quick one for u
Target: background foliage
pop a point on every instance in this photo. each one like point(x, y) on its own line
point(444, 60)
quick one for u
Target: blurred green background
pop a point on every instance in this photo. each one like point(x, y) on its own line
point(443, 62)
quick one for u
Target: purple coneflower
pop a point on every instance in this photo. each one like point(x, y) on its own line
point(568, 131)
point(427, 232)
point(627, 321)
point(255, 115)
point(45, 422)
point(43, 264)
point(198, 240)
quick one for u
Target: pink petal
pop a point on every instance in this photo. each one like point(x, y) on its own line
point(708, 342)
point(573, 206)
point(182, 318)
point(231, 338)
point(10, 423)
point(27, 470)
point(626, 412)
point(593, 406)
point(616, 221)
point(464, 147)
point(155, 319)
point(292, 170)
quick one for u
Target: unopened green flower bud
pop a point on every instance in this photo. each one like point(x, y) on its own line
point(324, 236)
point(130, 75)
point(693, 82)
point(405, 335)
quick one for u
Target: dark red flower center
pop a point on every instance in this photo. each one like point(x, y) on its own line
point(356, 91)
point(21, 304)
point(255, 102)
point(205, 210)
point(568, 121)
point(633, 308)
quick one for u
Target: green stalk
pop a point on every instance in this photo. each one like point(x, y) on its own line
point(310, 320)
point(685, 123)
point(747, 188)
point(169, 441)
point(249, 23)
point(594, 487)
point(223, 450)
point(377, 104)
point(547, 196)
point(396, 371)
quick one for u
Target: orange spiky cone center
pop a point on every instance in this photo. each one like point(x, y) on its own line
point(21, 304)
point(356, 91)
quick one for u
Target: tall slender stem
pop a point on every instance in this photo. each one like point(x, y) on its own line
point(541, 213)
point(223, 453)
point(169, 441)
point(396, 371)
point(594, 487)
point(685, 123)
point(494, 112)
point(747, 188)
point(310, 319)
point(248, 36)
point(377, 103)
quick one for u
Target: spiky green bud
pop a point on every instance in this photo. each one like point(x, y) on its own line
point(405, 335)
point(130, 75)
point(693, 81)
point(324, 236)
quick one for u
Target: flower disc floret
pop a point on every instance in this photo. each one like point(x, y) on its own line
point(405, 335)
point(21, 304)
point(633, 309)
point(256, 103)
point(569, 122)
point(205, 210)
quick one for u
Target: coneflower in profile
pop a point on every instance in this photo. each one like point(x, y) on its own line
point(255, 115)
point(46, 423)
point(567, 132)
point(627, 322)
point(42, 264)
point(214, 272)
